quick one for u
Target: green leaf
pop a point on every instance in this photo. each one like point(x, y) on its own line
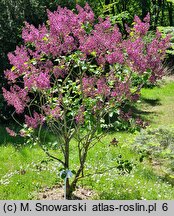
point(172, 1)
point(111, 114)
point(13, 68)
point(93, 53)
point(73, 172)
point(45, 39)
point(33, 61)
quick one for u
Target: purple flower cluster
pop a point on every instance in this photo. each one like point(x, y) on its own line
point(93, 87)
point(136, 55)
point(121, 90)
point(102, 87)
point(45, 62)
point(105, 41)
point(126, 116)
point(85, 14)
point(16, 97)
point(89, 86)
point(37, 78)
point(33, 122)
point(115, 57)
point(141, 28)
point(53, 112)
point(11, 132)
point(155, 53)
point(59, 71)
point(139, 122)
point(64, 32)
point(19, 58)
point(80, 116)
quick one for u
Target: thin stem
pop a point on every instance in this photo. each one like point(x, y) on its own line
point(45, 150)
point(15, 119)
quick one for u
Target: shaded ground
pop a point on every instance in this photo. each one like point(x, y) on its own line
point(157, 103)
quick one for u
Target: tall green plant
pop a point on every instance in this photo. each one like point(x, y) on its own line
point(73, 72)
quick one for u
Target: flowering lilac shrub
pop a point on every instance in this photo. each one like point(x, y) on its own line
point(72, 72)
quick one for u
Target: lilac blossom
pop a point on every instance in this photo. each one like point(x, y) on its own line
point(16, 97)
point(33, 122)
point(49, 69)
point(54, 112)
point(80, 116)
point(11, 132)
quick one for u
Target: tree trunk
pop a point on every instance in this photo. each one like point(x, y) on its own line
point(145, 8)
point(79, 172)
point(124, 3)
point(157, 17)
point(68, 194)
point(68, 190)
point(156, 11)
point(170, 11)
point(162, 11)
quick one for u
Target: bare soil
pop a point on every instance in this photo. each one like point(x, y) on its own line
point(57, 193)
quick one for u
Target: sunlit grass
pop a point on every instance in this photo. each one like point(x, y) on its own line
point(24, 171)
point(141, 183)
point(163, 111)
point(27, 171)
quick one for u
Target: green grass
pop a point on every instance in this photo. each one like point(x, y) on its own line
point(158, 104)
point(141, 183)
point(24, 171)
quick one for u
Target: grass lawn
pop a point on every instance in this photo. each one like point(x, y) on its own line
point(25, 171)
point(158, 104)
